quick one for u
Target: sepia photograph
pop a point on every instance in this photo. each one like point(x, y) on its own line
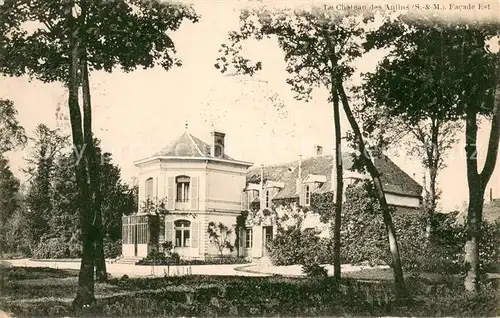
point(249, 158)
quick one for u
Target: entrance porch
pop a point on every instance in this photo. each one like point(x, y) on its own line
point(140, 234)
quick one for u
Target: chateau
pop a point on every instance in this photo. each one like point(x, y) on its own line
point(200, 183)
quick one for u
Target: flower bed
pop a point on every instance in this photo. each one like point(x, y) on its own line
point(209, 261)
point(159, 258)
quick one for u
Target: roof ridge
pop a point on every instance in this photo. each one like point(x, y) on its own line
point(197, 148)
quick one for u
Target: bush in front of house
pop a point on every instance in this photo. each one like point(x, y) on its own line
point(293, 246)
point(112, 249)
point(364, 238)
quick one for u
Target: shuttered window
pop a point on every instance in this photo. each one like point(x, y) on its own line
point(149, 188)
point(183, 185)
point(194, 193)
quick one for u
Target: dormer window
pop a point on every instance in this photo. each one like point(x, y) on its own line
point(305, 194)
point(218, 151)
point(182, 183)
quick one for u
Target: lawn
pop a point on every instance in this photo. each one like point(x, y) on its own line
point(49, 292)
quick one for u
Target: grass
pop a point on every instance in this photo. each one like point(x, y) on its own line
point(49, 292)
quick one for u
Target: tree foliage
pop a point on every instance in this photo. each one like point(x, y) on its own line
point(123, 33)
point(11, 132)
point(9, 199)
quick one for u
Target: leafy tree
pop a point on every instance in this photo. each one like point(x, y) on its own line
point(47, 146)
point(319, 46)
point(11, 132)
point(469, 88)
point(9, 200)
point(409, 79)
point(218, 235)
point(70, 39)
point(11, 136)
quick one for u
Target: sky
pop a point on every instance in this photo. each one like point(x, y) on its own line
point(136, 114)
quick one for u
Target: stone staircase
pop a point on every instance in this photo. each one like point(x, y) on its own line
point(129, 260)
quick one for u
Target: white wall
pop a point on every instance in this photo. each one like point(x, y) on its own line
point(128, 250)
point(225, 184)
point(399, 200)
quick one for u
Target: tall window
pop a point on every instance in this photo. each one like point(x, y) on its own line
point(182, 233)
point(307, 195)
point(248, 237)
point(149, 188)
point(182, 188)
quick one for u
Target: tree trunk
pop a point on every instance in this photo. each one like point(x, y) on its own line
point(94, 172)
point(401, 291)
point(237, 241)
point(85, 291)
point(477, 183)
point(93, 163)
point(472, 246)
point(433, 159)
point(431, 205)
point(340, 184)
point(475, 208)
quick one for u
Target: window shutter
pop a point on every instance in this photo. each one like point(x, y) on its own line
point(171, 194)
point(194, 234)
point(302, 195)
point(244, 201)
point(194, 193)
point(169, 232)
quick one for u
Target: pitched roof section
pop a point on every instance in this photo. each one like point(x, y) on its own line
point(394, 179)
point(188, 146)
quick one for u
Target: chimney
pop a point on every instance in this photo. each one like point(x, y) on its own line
point(217, 144)
point(319, 150)
point(299, 178)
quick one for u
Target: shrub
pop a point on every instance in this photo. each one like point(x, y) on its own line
point(364, 238)
point(292, 246)
point(112, 249)
point(52, 248)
